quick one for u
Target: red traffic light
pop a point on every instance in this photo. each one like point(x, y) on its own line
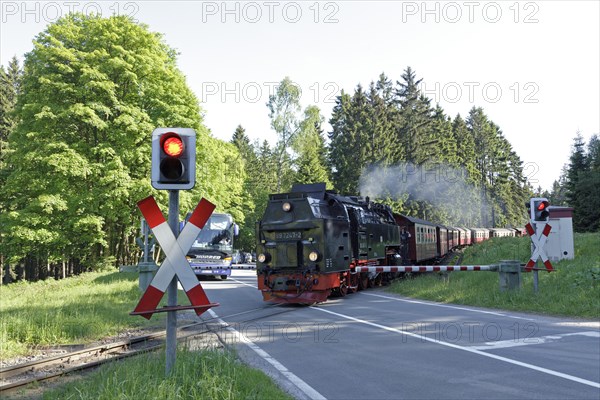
point(173, 145)
point(173, 158)
point(542, 206)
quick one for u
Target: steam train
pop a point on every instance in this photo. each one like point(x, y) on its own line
point(310, 240)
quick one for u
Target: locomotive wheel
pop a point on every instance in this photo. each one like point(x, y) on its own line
point(363, 281)
point(340, 291)
point(353, 285)
point(375, 282)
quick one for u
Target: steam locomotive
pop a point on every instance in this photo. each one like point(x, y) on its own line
point(310, 240)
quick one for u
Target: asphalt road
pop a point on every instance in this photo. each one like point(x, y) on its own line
point(375, 345)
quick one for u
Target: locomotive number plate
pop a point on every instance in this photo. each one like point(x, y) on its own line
point(288, 235)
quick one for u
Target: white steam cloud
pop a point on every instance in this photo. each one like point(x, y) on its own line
point(444, 187)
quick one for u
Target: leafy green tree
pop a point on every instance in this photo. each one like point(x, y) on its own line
point(283, 108)
point(92, 92)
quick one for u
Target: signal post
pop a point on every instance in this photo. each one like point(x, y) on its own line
point(173, 169)
point(539, 229)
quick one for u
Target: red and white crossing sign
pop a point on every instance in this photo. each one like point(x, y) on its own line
point(175, 263)
point(539, 241)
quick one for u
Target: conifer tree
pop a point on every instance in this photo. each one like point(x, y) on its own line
point(380, 124)
point(349, 140)
point(582, 182)
point(10, 84)
point(311, 163)
point(416, 118)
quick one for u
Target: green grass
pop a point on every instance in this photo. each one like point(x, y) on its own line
point(70, 311)
point(91, 306)
point(572, 290)
point(207, 374)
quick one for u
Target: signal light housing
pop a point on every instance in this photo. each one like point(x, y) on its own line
point(173, 158)
point(539, 209)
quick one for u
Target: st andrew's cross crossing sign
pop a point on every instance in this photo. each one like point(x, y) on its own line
point(539, 241)
point(175, 263)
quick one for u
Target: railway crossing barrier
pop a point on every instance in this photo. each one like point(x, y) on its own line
point(509, 271)
point(207, 267)
point(425, 268)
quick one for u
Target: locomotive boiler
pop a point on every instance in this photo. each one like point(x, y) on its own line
point(310, 240)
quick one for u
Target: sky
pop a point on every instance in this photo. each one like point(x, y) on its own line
point(534, 66)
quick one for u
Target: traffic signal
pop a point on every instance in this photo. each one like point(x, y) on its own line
point(173, 158)
point(539, 209)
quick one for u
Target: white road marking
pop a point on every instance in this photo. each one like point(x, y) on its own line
point(430, 303)
point(467, 349)
point(299, 383)
point(473, 349)
point(583, 324)
point(502, 344)
point(244, 283)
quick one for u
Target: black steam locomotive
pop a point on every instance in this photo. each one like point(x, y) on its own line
point(310, 240)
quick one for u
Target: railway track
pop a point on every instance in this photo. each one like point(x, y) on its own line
point(18, 376)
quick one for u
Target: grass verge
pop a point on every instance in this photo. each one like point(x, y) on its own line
point(71, 311)
point(206, 374)
point(572, 290)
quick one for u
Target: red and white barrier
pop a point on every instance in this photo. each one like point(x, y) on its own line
point(425, 268)
point(175, 263)
point(207, 267)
